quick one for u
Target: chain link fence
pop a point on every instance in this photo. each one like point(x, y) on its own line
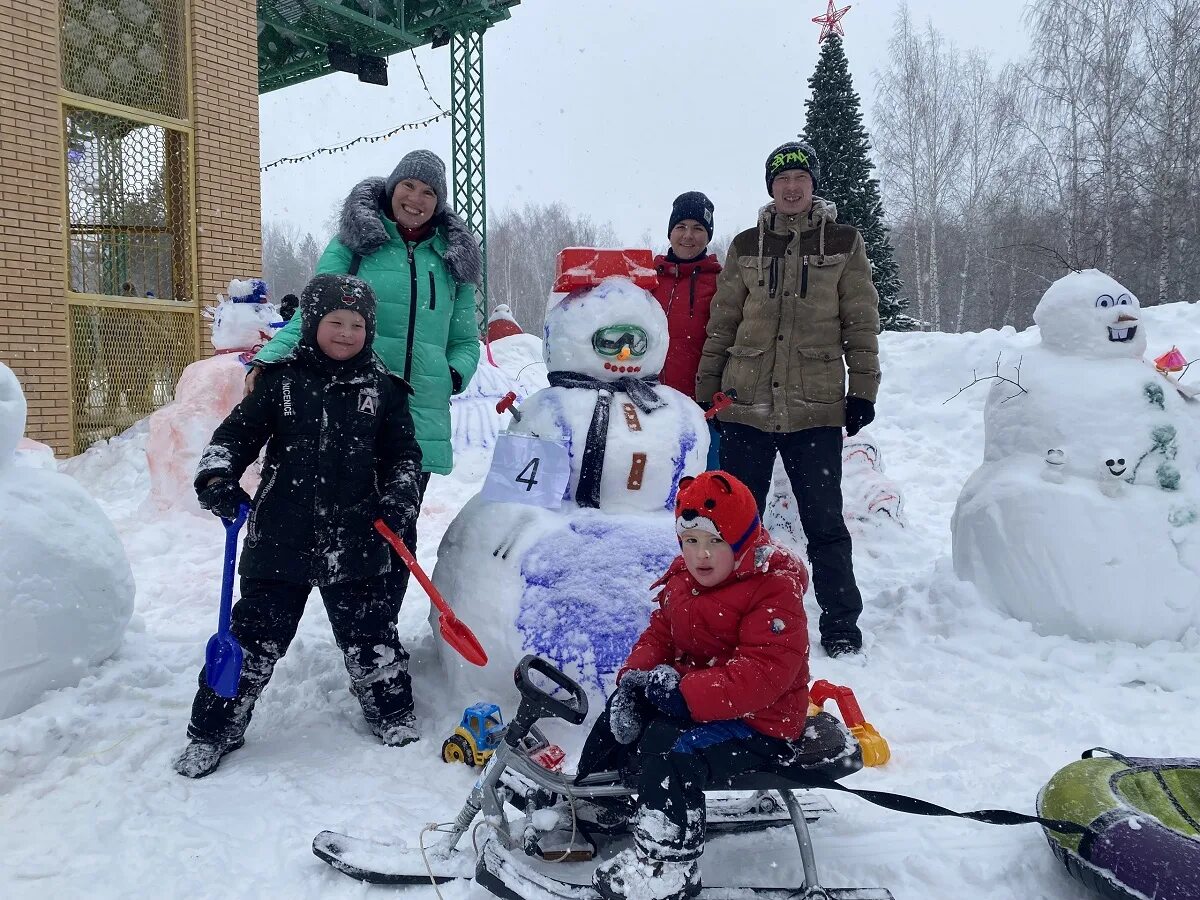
point(128, 208)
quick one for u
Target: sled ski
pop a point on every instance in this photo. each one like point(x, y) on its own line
point(382, 863)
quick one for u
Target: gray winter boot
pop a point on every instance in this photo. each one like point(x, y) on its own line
point(200, 758)
point(632, 876)
point(397, 732)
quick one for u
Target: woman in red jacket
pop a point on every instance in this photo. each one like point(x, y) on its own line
point(687, 280)
point(716, 685)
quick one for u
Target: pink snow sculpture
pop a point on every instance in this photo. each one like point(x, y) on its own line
point(207, 391)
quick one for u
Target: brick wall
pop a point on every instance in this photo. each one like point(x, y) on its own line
point(225, 116)
point(33, 334)
point(33, 313)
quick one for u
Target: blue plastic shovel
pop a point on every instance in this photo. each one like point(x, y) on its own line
point(223, 655)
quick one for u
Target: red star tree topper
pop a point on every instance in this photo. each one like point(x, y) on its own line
point(831, 22)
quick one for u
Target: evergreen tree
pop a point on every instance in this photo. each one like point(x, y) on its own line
point(833, 127)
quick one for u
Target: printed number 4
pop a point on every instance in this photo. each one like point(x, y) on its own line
point(528, 476)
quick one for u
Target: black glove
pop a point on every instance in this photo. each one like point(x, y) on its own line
point(223, 498)
point(626, 708)
point(662, 689)
point(859, 414)
point(399, 519)
point(456, 384)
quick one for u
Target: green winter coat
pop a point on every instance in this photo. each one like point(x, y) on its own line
point(426, 315)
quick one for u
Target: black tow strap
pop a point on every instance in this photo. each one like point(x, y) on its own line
point(916, 807)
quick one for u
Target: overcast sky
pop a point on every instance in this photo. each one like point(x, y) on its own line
point(611, 106)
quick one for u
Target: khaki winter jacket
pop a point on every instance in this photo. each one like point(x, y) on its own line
point(795, 309)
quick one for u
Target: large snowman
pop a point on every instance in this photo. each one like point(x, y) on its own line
point(1084, 518)
point(572, 582)
point(66, 590)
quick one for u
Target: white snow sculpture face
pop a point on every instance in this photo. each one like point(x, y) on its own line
point(1114, 467)
point(12, 414)
point(610, 331)
point(1092, 315)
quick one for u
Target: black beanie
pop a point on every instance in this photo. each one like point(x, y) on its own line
point(692, 205)
point(329, 293)
point(793, 155)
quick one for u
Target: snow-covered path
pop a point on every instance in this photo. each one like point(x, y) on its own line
point(979, 710)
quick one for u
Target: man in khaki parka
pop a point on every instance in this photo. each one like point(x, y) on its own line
point(795, 310)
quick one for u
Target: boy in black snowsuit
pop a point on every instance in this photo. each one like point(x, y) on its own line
point(340, 453)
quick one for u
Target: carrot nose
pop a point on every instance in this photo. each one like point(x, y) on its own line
point(624, 354)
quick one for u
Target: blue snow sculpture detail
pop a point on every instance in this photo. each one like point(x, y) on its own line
point(587, 593)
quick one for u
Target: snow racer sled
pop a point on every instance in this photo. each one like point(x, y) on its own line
point(566, 827)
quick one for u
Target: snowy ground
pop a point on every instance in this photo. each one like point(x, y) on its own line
point(979, 711)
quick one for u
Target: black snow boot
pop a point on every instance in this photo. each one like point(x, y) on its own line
point(841, 646)
point(630, 875)
point(398, 731)
point(200, 758)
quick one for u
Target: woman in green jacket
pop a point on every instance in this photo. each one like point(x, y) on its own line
point(398, 235)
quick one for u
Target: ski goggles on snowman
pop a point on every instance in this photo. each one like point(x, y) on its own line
point(611, 341)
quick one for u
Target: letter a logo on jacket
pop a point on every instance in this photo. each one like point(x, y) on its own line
point(368, 400)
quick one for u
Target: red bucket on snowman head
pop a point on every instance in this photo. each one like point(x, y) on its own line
point(584, 267)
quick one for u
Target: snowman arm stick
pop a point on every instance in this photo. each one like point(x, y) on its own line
point(724, 318)
point(976, 379)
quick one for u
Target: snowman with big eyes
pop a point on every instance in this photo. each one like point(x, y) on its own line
point(629, 438)
point(1084, 442)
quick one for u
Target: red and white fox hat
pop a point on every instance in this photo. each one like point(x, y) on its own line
point(718, 503)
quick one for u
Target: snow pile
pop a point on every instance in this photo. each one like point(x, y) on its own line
point(66, 588)
point(1087, 505)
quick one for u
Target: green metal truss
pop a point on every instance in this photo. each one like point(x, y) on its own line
point(294, 36)
point(466, 99)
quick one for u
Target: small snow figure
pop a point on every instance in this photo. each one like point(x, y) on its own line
point(1067, 556)
point(1055, 460)
point(245, 320)
point(630, 439)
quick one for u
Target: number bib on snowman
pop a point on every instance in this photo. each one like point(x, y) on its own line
point(527, 470)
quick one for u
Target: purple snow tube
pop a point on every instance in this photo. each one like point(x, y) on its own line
point(1144, 816)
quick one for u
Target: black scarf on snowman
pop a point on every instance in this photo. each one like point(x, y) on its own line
point(640, 391)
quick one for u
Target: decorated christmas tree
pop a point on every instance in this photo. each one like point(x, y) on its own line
point(833, 127)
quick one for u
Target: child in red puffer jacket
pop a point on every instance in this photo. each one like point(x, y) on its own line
point(722, 669)
point(687, 280)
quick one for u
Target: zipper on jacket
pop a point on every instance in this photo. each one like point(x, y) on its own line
point(774, 276)
point(692, 293)
point(674, 285)
point(432, 291)
point(804, 276)
point(412, 314)
point(252, 525)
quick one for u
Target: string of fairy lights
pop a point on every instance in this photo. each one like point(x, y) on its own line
point(370, 138)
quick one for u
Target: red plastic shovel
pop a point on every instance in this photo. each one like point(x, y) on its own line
point(454, 631)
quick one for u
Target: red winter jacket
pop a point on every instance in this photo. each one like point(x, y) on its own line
point(685, 291)
point(741, 647)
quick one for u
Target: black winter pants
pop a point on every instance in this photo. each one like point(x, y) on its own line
point(264, 621)
point(678, 761)
point(812, 459)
